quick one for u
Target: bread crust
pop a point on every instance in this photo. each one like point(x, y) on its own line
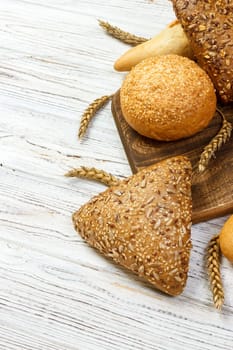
point(226, 239)
point(171, 40)
point(144, 223)
point(167, 98)
point(209, 28)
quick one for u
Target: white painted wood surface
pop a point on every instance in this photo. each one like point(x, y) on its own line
point(55, 292)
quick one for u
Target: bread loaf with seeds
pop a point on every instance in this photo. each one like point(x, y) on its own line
point(208, 25)
point(144, 223)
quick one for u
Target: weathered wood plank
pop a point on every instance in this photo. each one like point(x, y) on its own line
point(66, 301)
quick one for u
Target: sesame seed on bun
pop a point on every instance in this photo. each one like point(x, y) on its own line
point(168, 98)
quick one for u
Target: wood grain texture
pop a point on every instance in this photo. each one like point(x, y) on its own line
point(212, 191)
point(55, 292)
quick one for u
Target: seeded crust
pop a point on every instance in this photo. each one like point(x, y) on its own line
point(144, 223)
point(209, 27)
point(167, 98)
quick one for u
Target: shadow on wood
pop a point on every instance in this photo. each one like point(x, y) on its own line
point(213, 189)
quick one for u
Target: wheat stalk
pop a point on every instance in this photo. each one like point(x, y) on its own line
point(216, 143)
point(90, 112)
point(94, 174)
point(121, 35)
point(213, 266)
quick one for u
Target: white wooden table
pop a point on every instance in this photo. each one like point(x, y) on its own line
point(55, 291)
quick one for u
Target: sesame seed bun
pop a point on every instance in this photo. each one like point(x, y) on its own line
point(144, 223)
point(168, 98)
point(226, 239)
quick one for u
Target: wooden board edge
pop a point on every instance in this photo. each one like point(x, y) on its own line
point(114, 103)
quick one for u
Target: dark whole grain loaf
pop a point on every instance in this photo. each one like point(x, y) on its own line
point(209, 27)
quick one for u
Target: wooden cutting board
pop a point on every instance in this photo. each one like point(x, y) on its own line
point(213, 189)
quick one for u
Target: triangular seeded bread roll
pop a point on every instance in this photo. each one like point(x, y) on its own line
point(144, 223)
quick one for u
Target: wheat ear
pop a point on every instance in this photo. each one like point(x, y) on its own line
point(90, 112)
point(216, 143)
point(121, 35)
point(213, 266)
point(94, 174)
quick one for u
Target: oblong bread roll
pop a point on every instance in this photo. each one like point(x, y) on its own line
point(172, 40)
